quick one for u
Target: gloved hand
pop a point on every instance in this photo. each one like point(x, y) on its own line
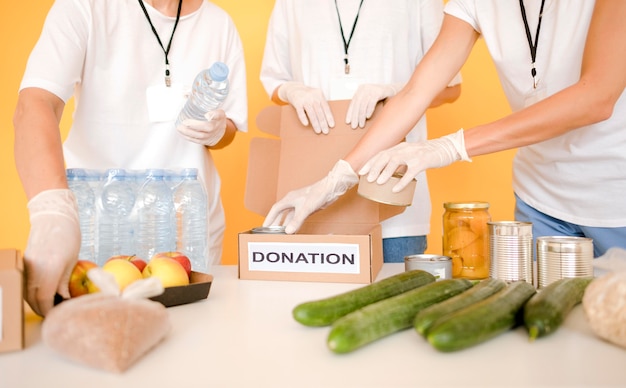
point(310, 105)
point(52, 249)
point(364, 102)
point(417, 157)
point(298, 204)
point(207, 133)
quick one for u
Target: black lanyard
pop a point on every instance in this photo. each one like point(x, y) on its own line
point(533, 47)
point(168, 81)
point(347, 44)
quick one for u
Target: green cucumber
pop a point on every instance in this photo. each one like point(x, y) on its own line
point(545, 312)
point(481, 321)
point(325, 311)
point(483, 289)
point(390, 315)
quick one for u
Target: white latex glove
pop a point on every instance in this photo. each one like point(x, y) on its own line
point(310, 105)
point(207, 133)
point(52, 249)
point(417, 157)
point(364, 102)
point(298, 204)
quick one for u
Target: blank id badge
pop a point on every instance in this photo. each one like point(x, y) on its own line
point(343, 87)
point(165, 102)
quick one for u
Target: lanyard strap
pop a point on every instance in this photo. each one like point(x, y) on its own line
point(533, 47)
point(346, 45)
point(168, 81)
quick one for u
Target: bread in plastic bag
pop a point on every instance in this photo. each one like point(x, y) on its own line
point(604, 301)
point(108, 330)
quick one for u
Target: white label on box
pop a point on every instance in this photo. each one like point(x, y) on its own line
point(304, 257)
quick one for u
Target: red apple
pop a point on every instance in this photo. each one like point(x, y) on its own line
point(169, 271)
point(137, 261)
point(178, 256)
point(80, 284)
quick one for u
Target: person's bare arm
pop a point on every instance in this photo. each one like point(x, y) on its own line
point(229, 136)
point(590, 100)
point(431, 76)
point(38, 146)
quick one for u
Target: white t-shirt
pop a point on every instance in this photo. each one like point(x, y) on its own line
point(105, 54)
point(578, 177)
point(304, 44)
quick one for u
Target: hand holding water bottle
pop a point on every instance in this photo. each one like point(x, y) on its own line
point(208, 132)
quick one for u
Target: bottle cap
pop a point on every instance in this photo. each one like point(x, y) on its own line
point(218, 71)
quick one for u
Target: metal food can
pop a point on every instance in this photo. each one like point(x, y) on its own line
point(511, 251)
point(563, 257)
point(439, 266)
point(382, 193)
point(465, 238)
point(275, 229)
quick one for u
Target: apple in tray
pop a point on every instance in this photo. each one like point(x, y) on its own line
point(137, 261)
point(178, 256)
point(80, 284)
point(167, 269)
point(179, 289)
point(123, 270)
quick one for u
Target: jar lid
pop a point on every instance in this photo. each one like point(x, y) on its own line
point(466, 205)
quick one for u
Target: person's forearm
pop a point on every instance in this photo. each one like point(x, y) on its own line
point(431, 76)
point(38, 146)
point(229, 136)
point(448, 95)
point(588, 101)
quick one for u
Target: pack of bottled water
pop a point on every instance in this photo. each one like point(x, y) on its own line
point(141, 212)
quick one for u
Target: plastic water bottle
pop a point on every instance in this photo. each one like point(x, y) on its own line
point(115, 204)
point(79, 181)
point(190, 201)
point(209, 90)
point(155, 217)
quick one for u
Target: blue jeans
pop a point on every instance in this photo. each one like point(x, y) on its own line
point(544, 225)
point(396, 248)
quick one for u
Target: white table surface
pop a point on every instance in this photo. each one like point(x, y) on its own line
point(243, 335)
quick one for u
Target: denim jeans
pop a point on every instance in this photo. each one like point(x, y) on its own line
point(544, 225)
point(396, 248)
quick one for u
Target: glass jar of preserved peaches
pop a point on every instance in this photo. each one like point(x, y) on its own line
point(465, 238)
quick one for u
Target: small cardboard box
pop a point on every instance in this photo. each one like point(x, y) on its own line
point(341, 243)
point(11, 300)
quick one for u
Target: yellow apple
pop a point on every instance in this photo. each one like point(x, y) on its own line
point(123, 271)
point(137, 261)
point(80, 284)
point(169, 271)
point(178, 256)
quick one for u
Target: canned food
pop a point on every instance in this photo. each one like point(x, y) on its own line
point(275, 229)
point(383, 194)
point(438, 266)
point(511, 251)
point(465, 238)
point(563, 257)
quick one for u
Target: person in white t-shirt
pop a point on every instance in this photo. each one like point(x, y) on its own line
point(129, 65)
point(561, 65)
point(363, 51)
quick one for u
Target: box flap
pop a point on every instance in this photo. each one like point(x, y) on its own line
point(301, 157)
point(9, 259)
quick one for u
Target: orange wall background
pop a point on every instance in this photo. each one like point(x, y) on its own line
point(487, 178)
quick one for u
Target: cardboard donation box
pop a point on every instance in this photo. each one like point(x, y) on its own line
point(341, 243)
point(11, 300)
